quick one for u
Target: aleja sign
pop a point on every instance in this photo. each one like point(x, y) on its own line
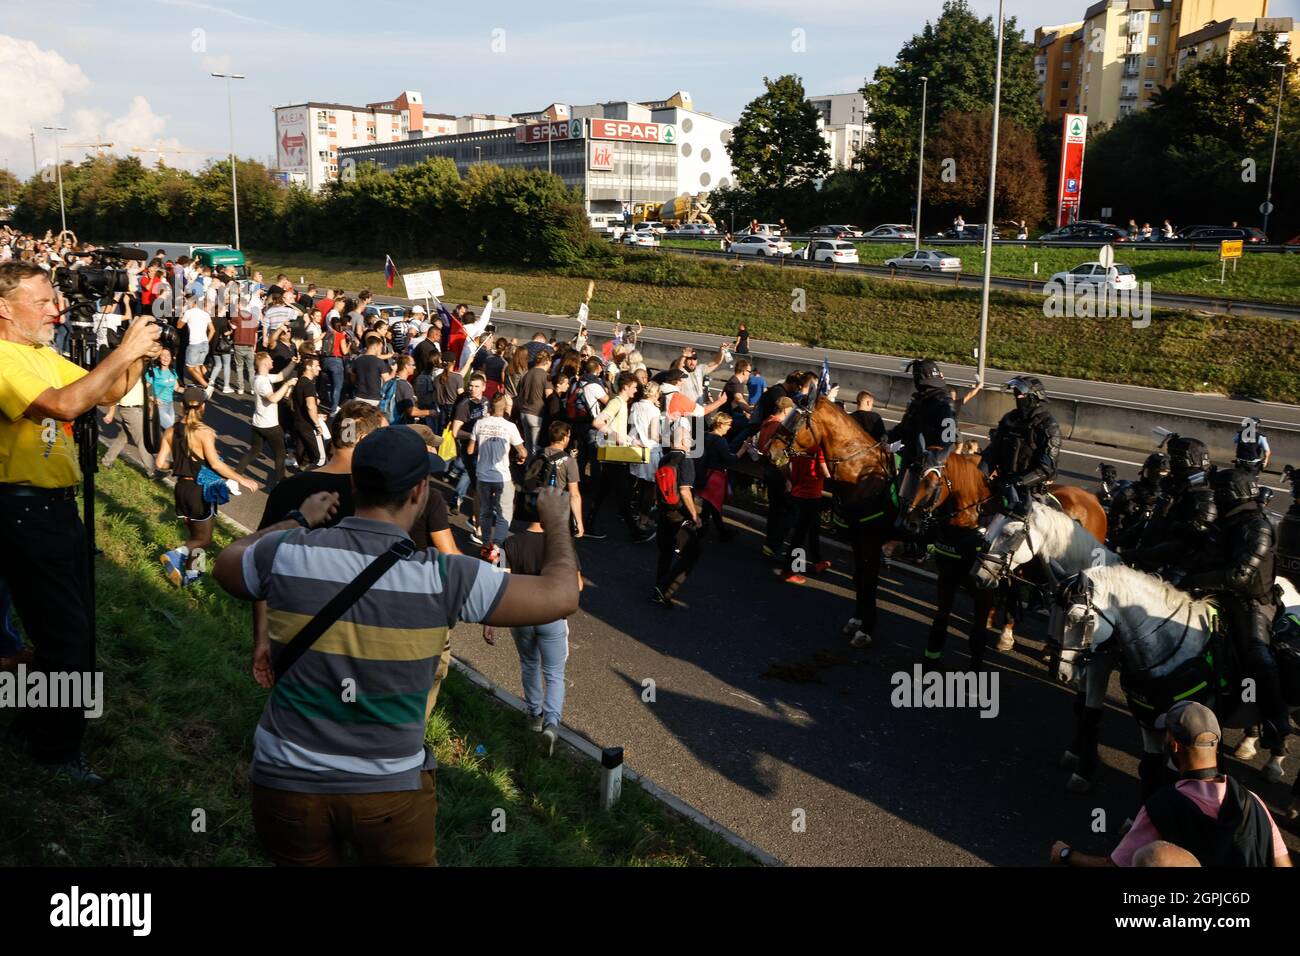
point(637, 132)
point(1070, 190)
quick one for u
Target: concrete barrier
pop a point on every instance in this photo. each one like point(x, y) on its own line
point(1094, 422)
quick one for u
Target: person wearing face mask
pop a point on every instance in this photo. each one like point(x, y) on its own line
point(1025, 447)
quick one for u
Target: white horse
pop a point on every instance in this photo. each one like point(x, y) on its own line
point(1156, 628)
point(1064, 547)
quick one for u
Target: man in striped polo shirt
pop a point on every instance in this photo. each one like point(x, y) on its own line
point(339, 756)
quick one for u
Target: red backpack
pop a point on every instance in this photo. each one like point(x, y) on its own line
point(666, 481)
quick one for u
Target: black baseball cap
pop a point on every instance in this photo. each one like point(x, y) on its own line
point(193, 395)
point(391, 460)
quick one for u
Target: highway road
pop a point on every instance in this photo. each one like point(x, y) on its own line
point(763, 716)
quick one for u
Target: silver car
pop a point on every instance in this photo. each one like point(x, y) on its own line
point(926, 260)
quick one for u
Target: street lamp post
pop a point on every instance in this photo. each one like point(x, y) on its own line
point(993, 184)
point(1277, 125)
point(234, 180)
point(920, 166)
point(58, 170)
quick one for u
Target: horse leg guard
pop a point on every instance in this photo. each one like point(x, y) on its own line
point(1087, 733)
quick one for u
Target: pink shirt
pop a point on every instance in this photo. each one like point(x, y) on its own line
point(1208, 795)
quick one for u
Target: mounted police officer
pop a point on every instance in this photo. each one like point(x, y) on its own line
point(1242, 575)
point(1181, 528)
point(930, 419)
point(1135, 501)
point(1024, 448)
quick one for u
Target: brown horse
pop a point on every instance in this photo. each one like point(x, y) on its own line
point(862, 470)
point(958, 495)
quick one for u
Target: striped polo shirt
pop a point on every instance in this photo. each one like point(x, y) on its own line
point(349, 716)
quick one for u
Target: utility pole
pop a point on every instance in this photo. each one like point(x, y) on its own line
point(234, 180)
point(1277, 126)
point(920, 170)
point(58, 169)
point(993, 185)
point(36, 170)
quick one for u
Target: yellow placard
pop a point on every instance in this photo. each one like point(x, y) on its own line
point(1230, 249)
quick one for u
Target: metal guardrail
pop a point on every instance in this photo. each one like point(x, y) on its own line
point(1005, 283)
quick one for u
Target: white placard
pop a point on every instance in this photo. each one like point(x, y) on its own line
point(423, 285)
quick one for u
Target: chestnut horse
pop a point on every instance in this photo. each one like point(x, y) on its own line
point(863, 471)
point(958, 495)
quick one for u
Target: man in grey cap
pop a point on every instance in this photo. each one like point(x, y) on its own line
point(1206, 813)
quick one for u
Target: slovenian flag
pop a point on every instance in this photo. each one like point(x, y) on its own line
point(390, 271)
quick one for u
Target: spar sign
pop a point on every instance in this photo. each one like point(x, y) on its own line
point(1070, 188)
point(636, 132)
point(541, 132)
point(291, 138)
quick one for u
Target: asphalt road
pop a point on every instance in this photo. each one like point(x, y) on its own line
point(764, 716)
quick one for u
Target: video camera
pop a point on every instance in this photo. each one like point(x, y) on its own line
point(104, 276)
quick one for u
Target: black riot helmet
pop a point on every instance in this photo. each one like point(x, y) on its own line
point(1234, 487)
point(1154, 468)
point(1187, 455)
point(925, 372)
point(1028, 387)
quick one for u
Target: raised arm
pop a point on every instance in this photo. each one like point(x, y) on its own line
point(553, 594)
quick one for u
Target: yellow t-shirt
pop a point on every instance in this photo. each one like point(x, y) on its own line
point(41, 454)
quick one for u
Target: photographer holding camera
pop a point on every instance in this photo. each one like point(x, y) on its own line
point(44, 558)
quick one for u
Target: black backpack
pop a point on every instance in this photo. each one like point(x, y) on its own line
point(1240, 836)
point(541, 471)
point(424, 391)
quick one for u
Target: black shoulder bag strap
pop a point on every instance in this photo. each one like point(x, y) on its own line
point(339, 604)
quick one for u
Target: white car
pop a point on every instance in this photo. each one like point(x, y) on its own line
point(891, 231)
point(1117, 278)
point(644, 238)
point(692, 230)
point(762, 229)
point(652, 225)
point(926, 260)
point(830, 250)
point(761, 246)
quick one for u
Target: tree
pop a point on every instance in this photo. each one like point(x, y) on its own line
point(958, 53)
point(777, 149)
point(957, 171)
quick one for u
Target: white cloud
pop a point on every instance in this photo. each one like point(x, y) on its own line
point(33, 84)
point(34, 87)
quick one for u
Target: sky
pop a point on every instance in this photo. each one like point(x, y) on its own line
point(136, 72)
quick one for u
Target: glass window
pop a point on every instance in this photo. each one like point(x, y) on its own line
point(1065, 66)
point(686, 149)
point(705, 154)
point(1153, 41)
point(1155, 18)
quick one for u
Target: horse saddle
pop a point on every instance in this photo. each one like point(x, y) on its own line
point(1205, 678)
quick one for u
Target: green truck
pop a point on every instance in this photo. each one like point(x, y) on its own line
point(215, 254)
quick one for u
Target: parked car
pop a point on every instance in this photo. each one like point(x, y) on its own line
point(761, 246)
point(1118, 278)
point(762, 229)
point(926, 260)
point(831, 232)
point(891, 231)
point(830, 250)
point(1220, 233)
point(644, 238)
point(692, 230)
point(1098, 232)
point(973, 231)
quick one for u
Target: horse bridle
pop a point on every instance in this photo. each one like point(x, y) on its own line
point(796, 421)
point(1084, 653)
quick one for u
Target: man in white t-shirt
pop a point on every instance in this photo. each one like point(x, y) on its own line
point(198, 325)
point(266, 417)
point(491, 442)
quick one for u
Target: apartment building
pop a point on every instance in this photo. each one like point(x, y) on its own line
point(1221, 37)
point(308, 136)
point(1123, 51)
point(843, 125)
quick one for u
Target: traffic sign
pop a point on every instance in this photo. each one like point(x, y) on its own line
point(1230, 249)
point(1107, 256)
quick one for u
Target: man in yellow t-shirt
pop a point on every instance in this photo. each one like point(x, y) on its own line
point(44, 558)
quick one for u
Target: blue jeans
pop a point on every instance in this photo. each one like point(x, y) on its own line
point(496, 506)
point(334, 369)
point(466, 478)
point(543, 649)
point(220, 363)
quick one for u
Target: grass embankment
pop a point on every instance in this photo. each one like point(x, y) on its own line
point(1260, 276)
point(1257, 358)
point(177, 729)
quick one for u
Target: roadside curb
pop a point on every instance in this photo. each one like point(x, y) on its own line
point(588, 749)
